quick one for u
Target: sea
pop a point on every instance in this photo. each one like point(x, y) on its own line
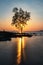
point(22, 51)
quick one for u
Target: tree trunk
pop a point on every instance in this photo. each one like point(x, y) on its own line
point(21, 30)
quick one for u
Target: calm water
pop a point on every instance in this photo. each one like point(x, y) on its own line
point(25, 51)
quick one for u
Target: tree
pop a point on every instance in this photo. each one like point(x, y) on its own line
point(20, 18)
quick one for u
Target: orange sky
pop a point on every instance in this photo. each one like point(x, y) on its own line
point(31, 25)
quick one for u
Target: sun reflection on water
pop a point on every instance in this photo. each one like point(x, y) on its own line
point(20, 50)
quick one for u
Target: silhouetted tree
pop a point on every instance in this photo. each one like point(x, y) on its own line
point(20, 18)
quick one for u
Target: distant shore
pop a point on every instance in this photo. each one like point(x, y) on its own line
point(6, 35)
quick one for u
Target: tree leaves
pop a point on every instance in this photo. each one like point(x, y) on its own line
point(20, 17)
point(15, 9)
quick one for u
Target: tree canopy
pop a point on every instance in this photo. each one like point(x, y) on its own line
point(20, 17)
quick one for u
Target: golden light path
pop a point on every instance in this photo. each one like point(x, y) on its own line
point(20, 50)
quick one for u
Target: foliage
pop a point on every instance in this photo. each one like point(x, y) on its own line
point(20, 17)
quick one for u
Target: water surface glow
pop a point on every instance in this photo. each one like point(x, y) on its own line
point(20, 50)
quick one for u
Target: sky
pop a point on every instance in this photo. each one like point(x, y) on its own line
point(35, 7)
